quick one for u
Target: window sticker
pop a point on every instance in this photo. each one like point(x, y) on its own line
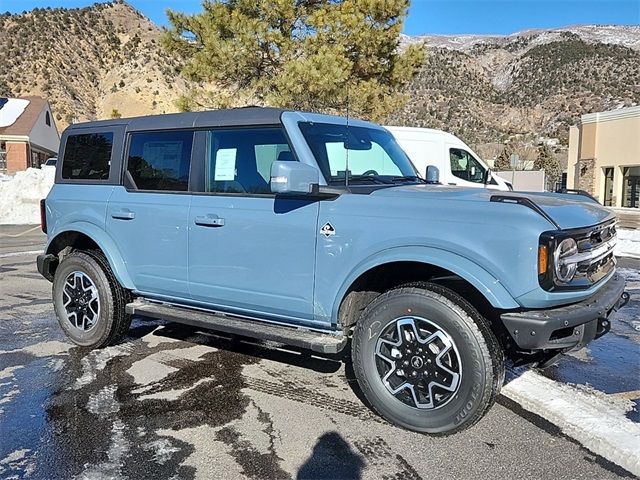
point(225, 164)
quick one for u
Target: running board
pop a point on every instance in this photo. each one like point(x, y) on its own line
point(308, 339)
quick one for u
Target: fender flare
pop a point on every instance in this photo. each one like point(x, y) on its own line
point(106, 244)
point(487, 284)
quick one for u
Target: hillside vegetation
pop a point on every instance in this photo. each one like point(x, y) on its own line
point(524, 86)
point(88, 62)
point(106, 60)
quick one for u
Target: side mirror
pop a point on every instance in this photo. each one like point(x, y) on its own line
point(433, 174)
point(487, 176)
point(472, 171)
point(293, 177)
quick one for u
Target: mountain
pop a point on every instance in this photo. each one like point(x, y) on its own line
point(88, 62)
point(528, 85)
point(106, 60)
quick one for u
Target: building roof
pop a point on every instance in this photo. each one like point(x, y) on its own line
point(26, 120)
point(618, 114)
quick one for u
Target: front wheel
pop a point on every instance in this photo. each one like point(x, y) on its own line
point(427, 360)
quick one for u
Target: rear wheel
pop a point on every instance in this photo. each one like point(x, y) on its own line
point(427, 360)
point(88, 300)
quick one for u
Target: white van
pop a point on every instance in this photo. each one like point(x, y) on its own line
point(458, 164)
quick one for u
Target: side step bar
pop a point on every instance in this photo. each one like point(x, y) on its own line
point(309, 339)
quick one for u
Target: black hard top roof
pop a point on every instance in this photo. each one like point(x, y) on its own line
point(233, 117)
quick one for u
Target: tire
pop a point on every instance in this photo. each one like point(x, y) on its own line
point(453, 338)
point(88, 300)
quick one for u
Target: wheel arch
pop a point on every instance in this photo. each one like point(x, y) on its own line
point(404, 265)
point(87, 236)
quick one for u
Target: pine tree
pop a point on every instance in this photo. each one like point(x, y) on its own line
point(503, 161)
point(549, 163)
point(306, 54)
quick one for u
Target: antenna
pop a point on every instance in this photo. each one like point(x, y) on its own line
point(346, 173)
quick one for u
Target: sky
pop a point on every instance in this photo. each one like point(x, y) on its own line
point(433, 16)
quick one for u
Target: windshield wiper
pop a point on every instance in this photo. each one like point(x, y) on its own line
point(408, 178)
point(354, 179)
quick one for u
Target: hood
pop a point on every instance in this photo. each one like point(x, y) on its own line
point(567, 210)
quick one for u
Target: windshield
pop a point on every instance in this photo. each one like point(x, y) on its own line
point(372, 154)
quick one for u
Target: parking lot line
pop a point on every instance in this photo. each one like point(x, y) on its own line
point(17, 254)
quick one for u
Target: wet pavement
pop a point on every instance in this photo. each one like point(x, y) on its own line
point(177, 402)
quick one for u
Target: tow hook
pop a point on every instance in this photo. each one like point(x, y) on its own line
point(624, 299)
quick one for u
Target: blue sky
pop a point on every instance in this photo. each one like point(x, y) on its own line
point(435, 16)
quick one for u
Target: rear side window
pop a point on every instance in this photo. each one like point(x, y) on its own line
point(87, 156)
point(160, 160)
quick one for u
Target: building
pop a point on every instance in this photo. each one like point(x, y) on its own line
point(28, 133)
point(604, 157)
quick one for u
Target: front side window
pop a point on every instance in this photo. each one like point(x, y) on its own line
point(160, 160)
point(466, 166)
point(239, 160)
point(87, 156)
point(362, 154)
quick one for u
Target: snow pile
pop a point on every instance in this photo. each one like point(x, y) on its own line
point(598, 422)
point(20, 195)
point(628, 244)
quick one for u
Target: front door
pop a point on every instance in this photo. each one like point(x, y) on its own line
point(631, 187)
point(251, 252)
point(147, 217)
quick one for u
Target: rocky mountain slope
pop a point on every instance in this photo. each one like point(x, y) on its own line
point(526, 85)
point(106, 60)
point(94, 62)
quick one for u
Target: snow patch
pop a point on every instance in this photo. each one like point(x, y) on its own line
point(118, 451)
point(11, 111)
point(97, 360)
point(104, 402)
point(598, 422)
point(21, 196)
point(628, 244)
point(163, 450)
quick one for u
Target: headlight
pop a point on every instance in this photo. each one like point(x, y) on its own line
point(564, 269)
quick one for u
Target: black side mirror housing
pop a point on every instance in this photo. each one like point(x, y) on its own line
point(433, 174)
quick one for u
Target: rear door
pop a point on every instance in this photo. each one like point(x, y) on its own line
point(147, 216)
point(249, 251)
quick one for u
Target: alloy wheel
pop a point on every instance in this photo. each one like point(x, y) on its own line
point(81, 301)
point(418, 362)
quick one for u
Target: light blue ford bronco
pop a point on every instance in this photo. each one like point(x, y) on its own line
point(316, 231)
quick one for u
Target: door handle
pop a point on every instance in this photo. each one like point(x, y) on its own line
point(123, 215)
point(210, 220)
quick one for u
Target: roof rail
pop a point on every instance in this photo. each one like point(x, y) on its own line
point(571, 191)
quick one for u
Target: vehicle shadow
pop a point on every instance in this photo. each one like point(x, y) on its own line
point(288, 355)
point(299, 357)
point(332, 457)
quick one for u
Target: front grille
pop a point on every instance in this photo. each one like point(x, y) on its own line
point(594, 258)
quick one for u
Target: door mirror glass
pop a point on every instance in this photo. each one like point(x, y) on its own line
point(293, 177)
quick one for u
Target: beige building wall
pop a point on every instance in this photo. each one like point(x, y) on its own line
point(600, 141)
point(572, 157)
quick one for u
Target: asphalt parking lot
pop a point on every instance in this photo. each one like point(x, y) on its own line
point(177, 402)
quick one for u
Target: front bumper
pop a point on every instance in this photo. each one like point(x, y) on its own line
point(569, 327)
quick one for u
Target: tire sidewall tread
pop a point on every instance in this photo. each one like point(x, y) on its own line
point(468, 329)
